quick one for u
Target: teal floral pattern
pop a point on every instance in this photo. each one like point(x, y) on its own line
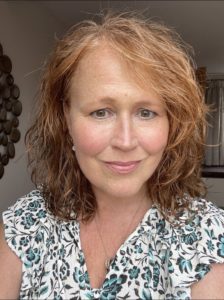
point(159, 260)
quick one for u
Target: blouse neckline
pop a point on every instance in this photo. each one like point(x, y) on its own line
point(144, 227)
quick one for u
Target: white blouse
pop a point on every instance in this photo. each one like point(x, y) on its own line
point(157, 261)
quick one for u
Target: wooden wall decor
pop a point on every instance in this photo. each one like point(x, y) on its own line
point(10, 109)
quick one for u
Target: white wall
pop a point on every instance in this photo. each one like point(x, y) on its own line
point(27, 33)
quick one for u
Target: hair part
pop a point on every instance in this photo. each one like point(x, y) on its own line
point(158, 58)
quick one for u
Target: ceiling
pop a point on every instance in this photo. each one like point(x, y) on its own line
point(201, 23)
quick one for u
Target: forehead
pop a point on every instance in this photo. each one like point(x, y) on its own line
point(104, 64)
point(100, 61)
point(104, 76)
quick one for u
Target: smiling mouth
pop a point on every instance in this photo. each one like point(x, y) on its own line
point(123, 167)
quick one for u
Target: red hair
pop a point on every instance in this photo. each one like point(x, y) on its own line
point(152, 51)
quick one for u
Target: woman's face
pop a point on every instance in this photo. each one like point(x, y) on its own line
point(119, 129)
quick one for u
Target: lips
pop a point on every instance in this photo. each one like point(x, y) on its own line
point(122, 167)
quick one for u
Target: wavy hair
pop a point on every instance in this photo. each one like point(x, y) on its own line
point(153, 51)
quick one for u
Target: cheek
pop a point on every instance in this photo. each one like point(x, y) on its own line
point(89, 139)
point(155, 141)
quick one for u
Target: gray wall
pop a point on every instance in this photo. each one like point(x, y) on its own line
point(215, 190)
point(27, 33)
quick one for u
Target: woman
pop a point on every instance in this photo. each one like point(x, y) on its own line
point(115, 150)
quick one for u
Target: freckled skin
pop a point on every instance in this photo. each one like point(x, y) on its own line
point(118, 133)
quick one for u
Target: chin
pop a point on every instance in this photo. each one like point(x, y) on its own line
point(125, 191)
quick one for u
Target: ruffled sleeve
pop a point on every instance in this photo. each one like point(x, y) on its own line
point(22, 222)
point(28, 230)
point(199, 244)
point(210, 236)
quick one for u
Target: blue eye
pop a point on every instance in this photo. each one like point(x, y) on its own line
point(147, 114)
point(101, 113)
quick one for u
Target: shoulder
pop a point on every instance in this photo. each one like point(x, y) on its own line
point(27, 225)
point(205, 208)
point(28, 232)
point(207, 221)
point(211, 286)
point(196, 245)
point(202, 232)
point(10, 271)
point(202, 217)
point(27, 212)
point(32, 200)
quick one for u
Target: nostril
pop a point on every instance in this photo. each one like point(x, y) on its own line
point(124, 142)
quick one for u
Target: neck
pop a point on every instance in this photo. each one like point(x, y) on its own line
point(109, 207)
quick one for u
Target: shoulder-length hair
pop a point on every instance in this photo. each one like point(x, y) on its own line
point(156, 55)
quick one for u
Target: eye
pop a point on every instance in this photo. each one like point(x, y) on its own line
point(101, 113)
point(146, 113)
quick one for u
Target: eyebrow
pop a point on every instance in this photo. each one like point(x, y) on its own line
point(107, 100)
point(110, 100)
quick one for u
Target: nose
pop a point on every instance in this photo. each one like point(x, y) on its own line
point(124, 134)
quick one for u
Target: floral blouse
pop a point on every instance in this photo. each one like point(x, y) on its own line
point(159, 260)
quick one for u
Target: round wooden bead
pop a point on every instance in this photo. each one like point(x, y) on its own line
point(11, 150)
point(15, 92)
point(5, 159)
point(17, 108)
point(1, 170)
point(9, 79)
point(7, 126)
point(3, 114)
point(4, 139)
point(15, 135)
point(15, 122)
point(6, 92)
point(8, 105)
point(5, 64)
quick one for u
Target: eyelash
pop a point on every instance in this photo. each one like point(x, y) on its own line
point(93, 114)
point(149, 111)
point(99, 110)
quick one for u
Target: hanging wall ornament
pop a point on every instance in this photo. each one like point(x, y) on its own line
point(10, 110)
